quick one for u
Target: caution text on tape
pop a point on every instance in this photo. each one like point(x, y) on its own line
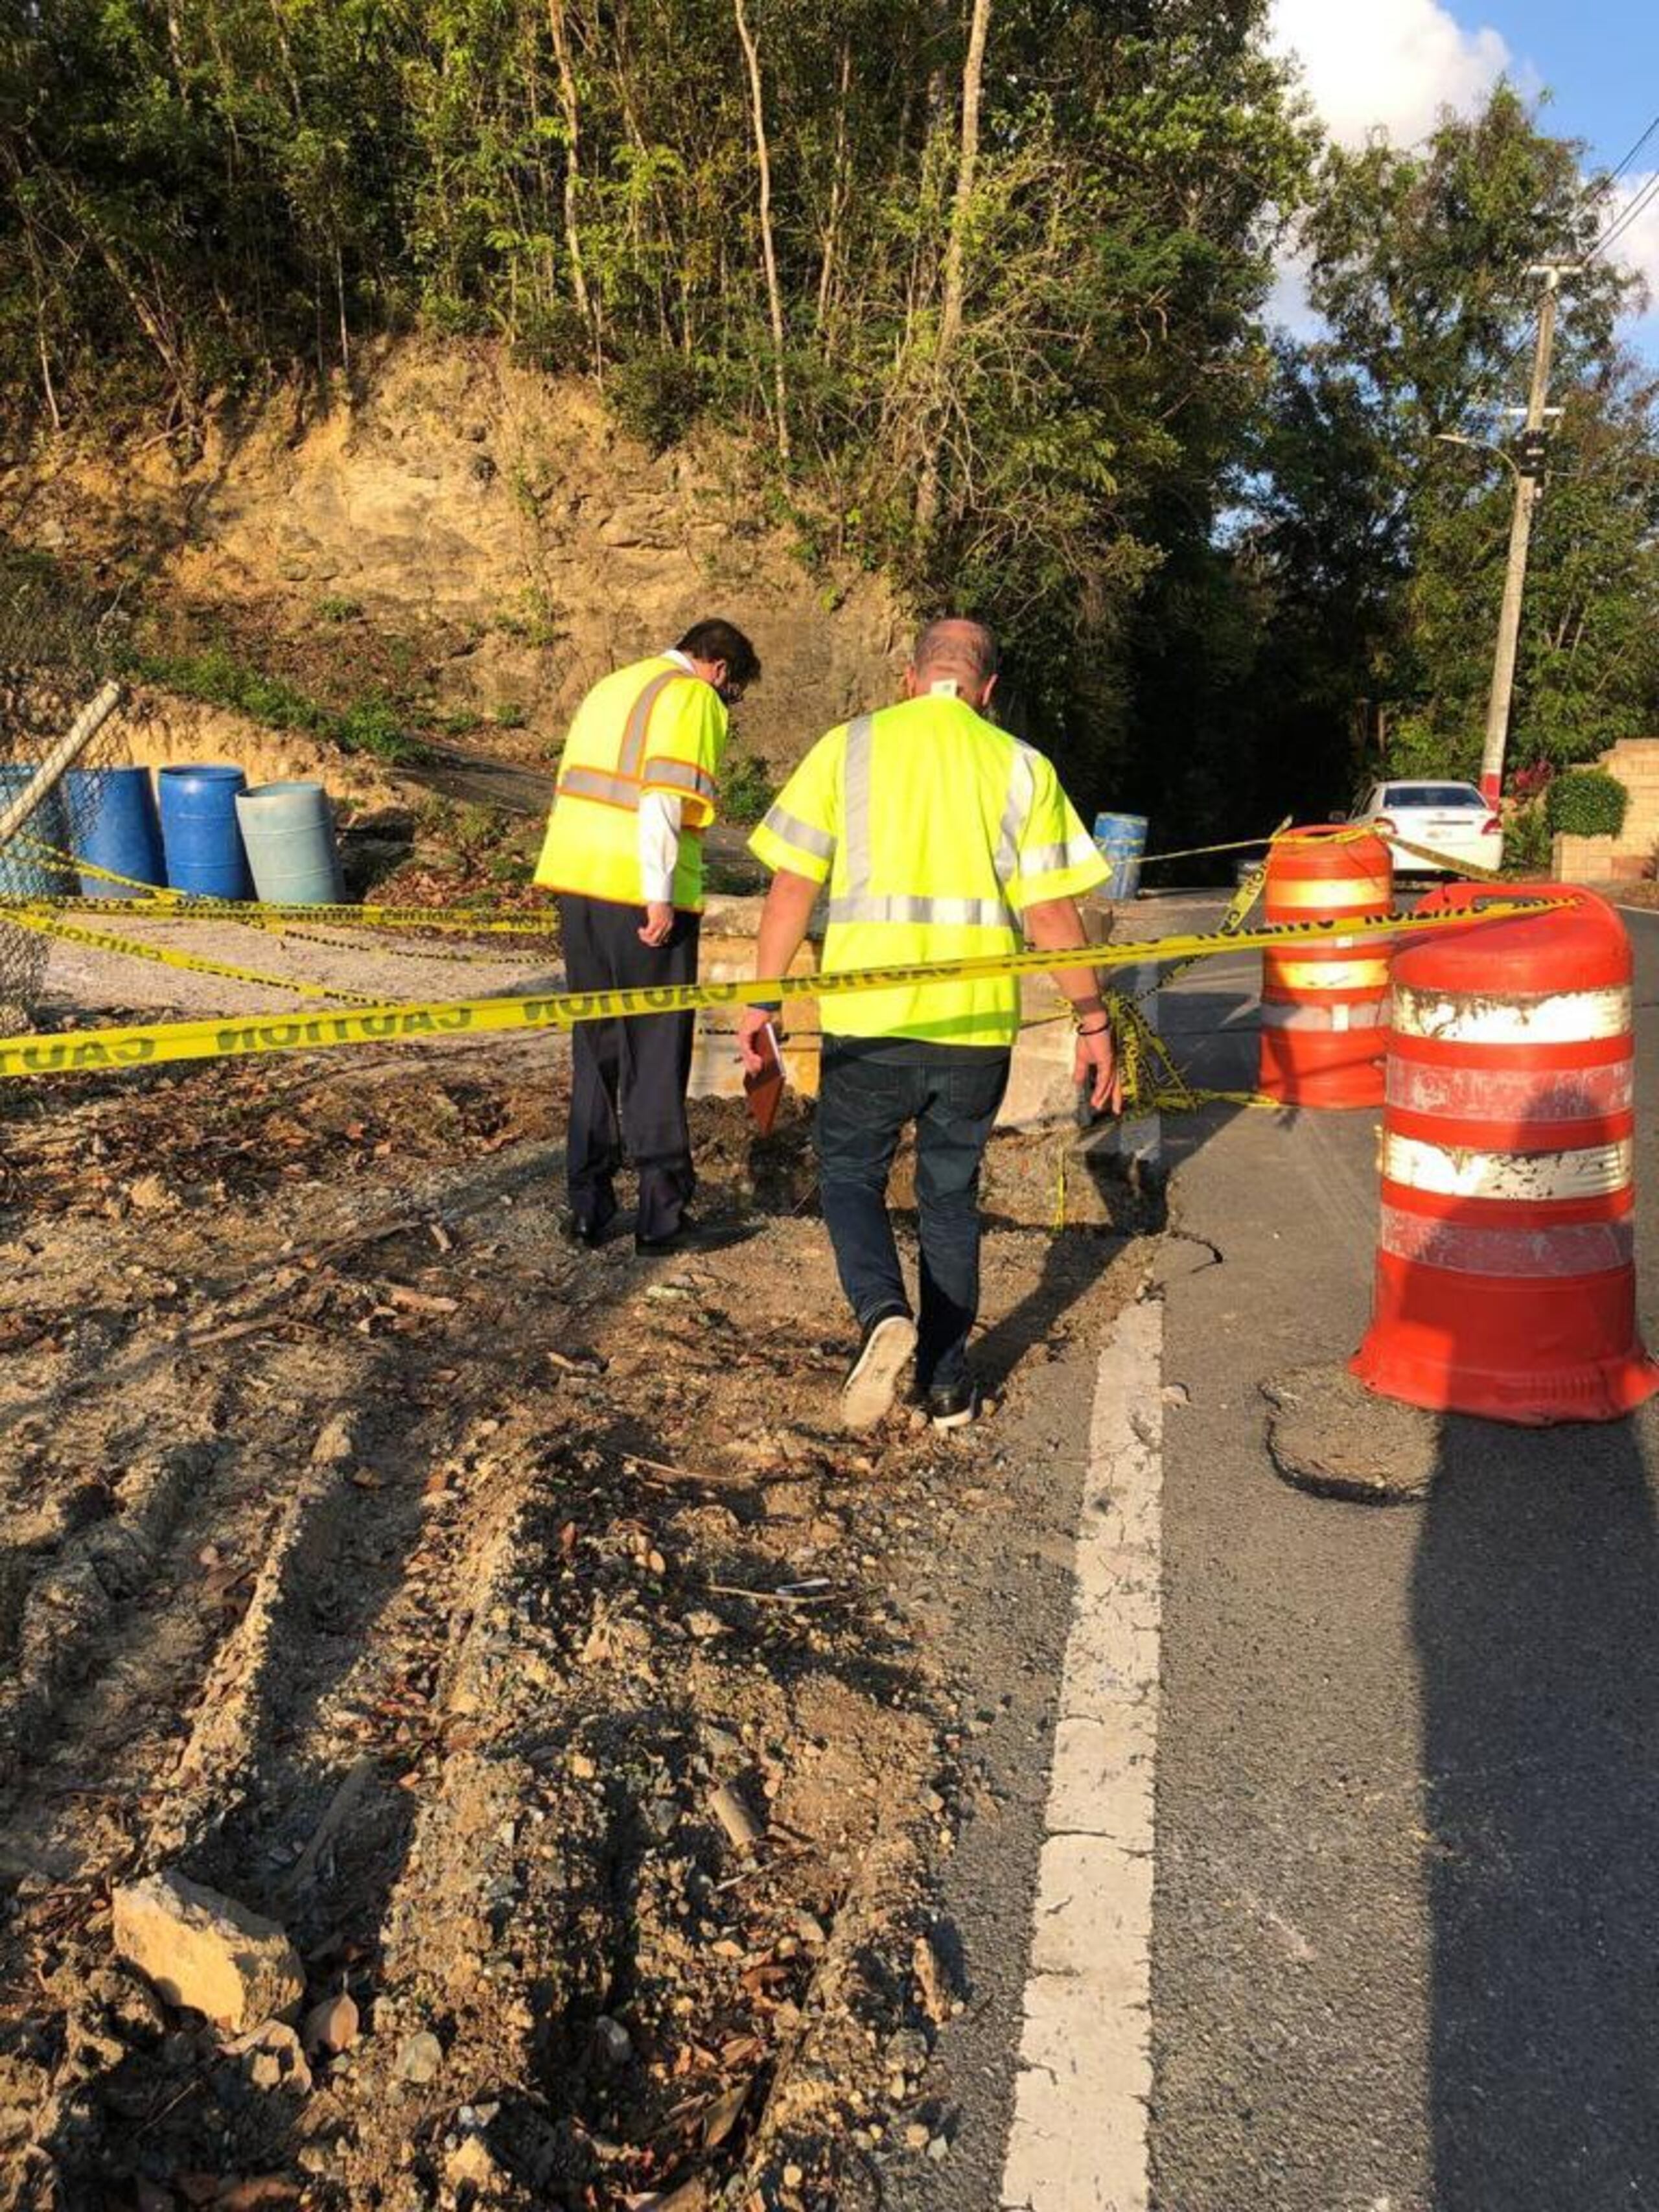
point(230, 1037)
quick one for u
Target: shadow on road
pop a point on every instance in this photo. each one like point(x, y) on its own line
point(1536, 1615)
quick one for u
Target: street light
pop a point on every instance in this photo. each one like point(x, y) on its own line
point(1478, 444)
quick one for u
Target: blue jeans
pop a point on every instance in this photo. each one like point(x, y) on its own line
point(865, 1101)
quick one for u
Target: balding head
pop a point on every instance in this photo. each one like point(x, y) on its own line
point(954, 650)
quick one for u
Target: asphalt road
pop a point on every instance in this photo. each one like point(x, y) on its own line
point(1405, 1940)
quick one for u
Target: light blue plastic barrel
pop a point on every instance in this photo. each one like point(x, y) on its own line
point(1121, 839)
point(288, 831)
point(116, 827)
point(199, 833)
point(24, 873)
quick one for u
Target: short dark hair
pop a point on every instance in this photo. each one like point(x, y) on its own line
point(722, 641)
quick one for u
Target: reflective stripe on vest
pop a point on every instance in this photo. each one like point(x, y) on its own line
point(1049, 859)
point(857, 902)
point(1016, 813)
point(622, 789)
point(801, 835)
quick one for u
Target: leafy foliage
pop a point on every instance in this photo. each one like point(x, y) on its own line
point(1234, 578)
point(1383, 525)
point(1527, 843)
point(194, 200)
point(1586, 803)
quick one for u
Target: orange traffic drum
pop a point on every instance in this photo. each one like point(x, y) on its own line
point(1324, 999)
point(1505, 1265)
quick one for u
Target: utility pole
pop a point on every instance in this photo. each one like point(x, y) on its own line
point(1529, 487)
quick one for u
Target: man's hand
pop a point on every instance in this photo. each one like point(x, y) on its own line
point(658, 924)
point(752, 1026)
point(1098, 1066)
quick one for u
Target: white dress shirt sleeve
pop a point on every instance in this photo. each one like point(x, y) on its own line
point(659, 845)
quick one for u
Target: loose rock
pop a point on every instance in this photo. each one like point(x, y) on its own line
point(332, 2026)
point(420, 2058)
point(204, 1950)
point(735, 1817)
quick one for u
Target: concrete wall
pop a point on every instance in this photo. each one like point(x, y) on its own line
point(1628, 857)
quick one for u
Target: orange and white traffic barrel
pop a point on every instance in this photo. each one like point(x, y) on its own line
point(1324, 1003)
point(1505, 1269)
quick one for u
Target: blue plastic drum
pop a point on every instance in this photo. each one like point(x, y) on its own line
point(199, 833)
point(1121, 840)
point(25, 873)
point(117, 828)
point(288, 831)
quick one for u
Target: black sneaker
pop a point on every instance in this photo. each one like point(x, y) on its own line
point(691, 1236)
point(587, 1236)
point(872, 1380)
point(952, 1405)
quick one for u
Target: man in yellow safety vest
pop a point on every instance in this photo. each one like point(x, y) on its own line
point(941, 838)
point(623, 851)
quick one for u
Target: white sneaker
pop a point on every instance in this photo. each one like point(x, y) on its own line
point(872, 1381)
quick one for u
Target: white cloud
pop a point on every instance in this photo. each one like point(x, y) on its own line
point(1390, 62)
point(1637, 247)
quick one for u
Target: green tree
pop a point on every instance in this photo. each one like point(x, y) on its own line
point(1418, 261)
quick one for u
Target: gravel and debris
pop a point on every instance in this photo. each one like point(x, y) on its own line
point(506, 1635)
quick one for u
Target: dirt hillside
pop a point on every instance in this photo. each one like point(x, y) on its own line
point(467, 526)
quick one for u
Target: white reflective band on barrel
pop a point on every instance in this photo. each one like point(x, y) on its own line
point(801, 835)
point(856, 901)
point(1559, 1017)
point(1511, 1094)
point(1333, 897)
point(1369, 1014)
point(1572, 1248)
point(1595, 1171)
point(1327, 974)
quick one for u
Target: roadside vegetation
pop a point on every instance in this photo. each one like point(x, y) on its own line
point(985, 291)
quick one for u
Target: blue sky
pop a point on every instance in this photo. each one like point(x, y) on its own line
point(1394, 62)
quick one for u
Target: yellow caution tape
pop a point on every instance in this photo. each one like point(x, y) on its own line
point(278, 919)
point(155, 902)
point(53, 924)
point(1470, 868)
point(233, 1037)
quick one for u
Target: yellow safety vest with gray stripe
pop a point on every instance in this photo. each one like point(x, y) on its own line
point(934, 831)
point(651, 727)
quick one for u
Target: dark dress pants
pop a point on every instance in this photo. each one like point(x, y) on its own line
point(865, 1101)
point(628, 1090)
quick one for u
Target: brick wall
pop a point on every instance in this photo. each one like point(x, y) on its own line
point(1626, 858)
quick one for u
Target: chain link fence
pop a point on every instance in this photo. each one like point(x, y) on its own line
point(58, 646)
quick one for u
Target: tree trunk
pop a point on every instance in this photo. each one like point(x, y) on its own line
point(837, 188)
point(573, 242)
point(955, 249)
point(764, 159)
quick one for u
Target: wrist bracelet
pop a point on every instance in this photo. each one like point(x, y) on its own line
point(1105, 1029)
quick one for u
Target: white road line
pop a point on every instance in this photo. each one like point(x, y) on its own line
point(1079, 2141)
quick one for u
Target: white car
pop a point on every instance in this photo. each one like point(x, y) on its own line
point(1448, 818)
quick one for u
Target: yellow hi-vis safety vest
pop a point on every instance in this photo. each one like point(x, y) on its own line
point(652, 727)
point(934, 831)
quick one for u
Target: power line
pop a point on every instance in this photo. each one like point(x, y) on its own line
point(1593, 186)
point(1638, 206)
point(1615, 174)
